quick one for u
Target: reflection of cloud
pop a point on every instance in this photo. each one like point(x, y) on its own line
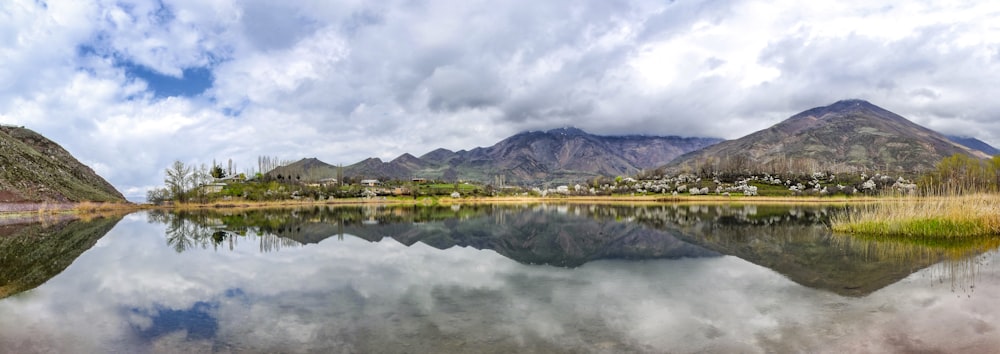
point(357, 296)
point(197, 322)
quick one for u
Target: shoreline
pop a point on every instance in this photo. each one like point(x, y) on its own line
point(8, 210)
point(607, 200)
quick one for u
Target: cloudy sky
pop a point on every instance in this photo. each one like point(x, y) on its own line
point(130, 86)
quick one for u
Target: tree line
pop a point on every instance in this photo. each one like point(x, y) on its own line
point(960, 173)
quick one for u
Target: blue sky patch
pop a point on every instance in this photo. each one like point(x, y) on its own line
point(198, 322)
point(193, 82)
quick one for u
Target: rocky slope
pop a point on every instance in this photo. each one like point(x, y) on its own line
point(36, 169)
point(849, 135)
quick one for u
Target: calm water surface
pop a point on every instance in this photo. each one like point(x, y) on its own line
point(556, 278)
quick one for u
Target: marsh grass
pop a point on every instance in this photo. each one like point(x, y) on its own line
point(88, 211)
point(951, 216)
point(98, 207)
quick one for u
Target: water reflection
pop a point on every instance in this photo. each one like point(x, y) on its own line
point(442, 280)
point(960, 260)
point(33, 250)
point(186, 230)
point(528, 234)
point(794, 241)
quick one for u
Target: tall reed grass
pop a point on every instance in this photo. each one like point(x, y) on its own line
point(949, 215)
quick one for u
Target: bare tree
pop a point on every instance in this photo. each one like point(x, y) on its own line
point(199, 178)
point(178, 177)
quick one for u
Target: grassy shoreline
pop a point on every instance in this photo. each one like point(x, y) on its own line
point(938, 217)
point(11, 211)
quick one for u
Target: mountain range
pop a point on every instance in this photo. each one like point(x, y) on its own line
point(562, 155)
point(36, 169)
point(846, 136)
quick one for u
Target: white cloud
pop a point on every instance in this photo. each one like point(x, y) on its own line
point(347, 80)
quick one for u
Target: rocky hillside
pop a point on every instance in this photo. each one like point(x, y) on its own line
point(846, 136)
point(560, 155)
point(36, 169)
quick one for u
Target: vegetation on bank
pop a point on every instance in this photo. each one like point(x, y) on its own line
point(184, 184)
point(948, 217)
point(958, 199)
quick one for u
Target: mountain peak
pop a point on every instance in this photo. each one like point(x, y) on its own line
point(844, 106)
point(404, 158)
point(852, 102)
point(309, 162)
point(567, 131)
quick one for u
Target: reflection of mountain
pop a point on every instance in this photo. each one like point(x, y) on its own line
point(533, 237)
point(793, 241)
point(33, 253)
point(526, 235)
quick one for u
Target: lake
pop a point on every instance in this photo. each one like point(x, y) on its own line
point(489, 279)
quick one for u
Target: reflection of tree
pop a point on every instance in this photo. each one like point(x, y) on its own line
point(186, 231)
point(179, 235)
point(794, 241)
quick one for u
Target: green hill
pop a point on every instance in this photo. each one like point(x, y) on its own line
point(36, 169)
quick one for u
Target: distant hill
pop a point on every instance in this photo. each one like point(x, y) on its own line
point(846, 136)
point(308, 169)
point(565, 155)
point(975, 144)
point(36, 169)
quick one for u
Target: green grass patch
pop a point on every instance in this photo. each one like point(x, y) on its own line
point(948, 217)
point(921, 228)
point(772, 190)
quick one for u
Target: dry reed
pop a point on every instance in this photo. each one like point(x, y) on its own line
point(954, 216)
